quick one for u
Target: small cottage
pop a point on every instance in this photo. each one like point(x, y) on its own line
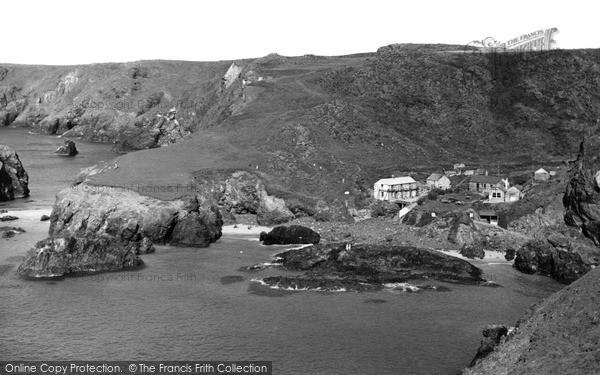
point(485, 184)
point(497, 194)
point(541, 175)
point(513, 194)
point(439, 181)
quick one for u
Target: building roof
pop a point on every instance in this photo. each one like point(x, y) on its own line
point(396, 180)
point(514, 188)
point(435, 177)
point(541, 170)
point(487, 213)
point(481, 179)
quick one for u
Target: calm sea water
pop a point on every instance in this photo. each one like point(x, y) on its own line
point(182, 306)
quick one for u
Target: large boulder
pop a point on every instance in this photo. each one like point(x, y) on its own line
point(294, 234)
point(13, 178)
point(87, 210)
point(62, 256)
point(473, 250)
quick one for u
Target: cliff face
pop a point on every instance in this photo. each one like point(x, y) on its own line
point(137, 105)
point(582, 197)
point(13, 177)
point(559, 335)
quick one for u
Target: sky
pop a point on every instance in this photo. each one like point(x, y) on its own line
point(66, 32)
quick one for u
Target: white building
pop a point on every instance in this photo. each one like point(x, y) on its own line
point(439, 181)
point(396, 189)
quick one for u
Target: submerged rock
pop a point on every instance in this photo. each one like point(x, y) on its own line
point(8, 232)
point(8, 218)
point(14, 180)
point(68, 149)
point(294, 234)
point(63, 256)
point(45, 218)
point(334, 267)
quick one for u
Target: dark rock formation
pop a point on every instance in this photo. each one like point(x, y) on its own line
point(45, 218)
point(558, 257)
point(9, 232)
point(582, 197)
point(493, 335)
point(13, 178)
point(369, 267)
point(294, 234)
point(472, 251)
point(463, 230)
point(129, 217)
point(63, 256)
point(8, 218)
point(68, 149)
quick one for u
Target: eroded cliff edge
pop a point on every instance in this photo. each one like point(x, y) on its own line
point(559, 335)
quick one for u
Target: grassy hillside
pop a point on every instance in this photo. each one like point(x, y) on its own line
point(319, 126)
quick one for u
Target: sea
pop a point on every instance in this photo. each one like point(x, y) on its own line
point(203, 305)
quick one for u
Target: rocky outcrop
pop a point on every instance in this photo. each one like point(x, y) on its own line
point(582, 197)
point(242, 193)
point(369, 267)
point(562, 258)
point(558, 335)
point(14, 180)
point(272, 211)
point(63, 256)
point(493, 335)
point(294, 234)
point(464, 231)
point(87, 210)
point(68, 149)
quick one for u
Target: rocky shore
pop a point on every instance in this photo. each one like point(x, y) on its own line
point(339, 267)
